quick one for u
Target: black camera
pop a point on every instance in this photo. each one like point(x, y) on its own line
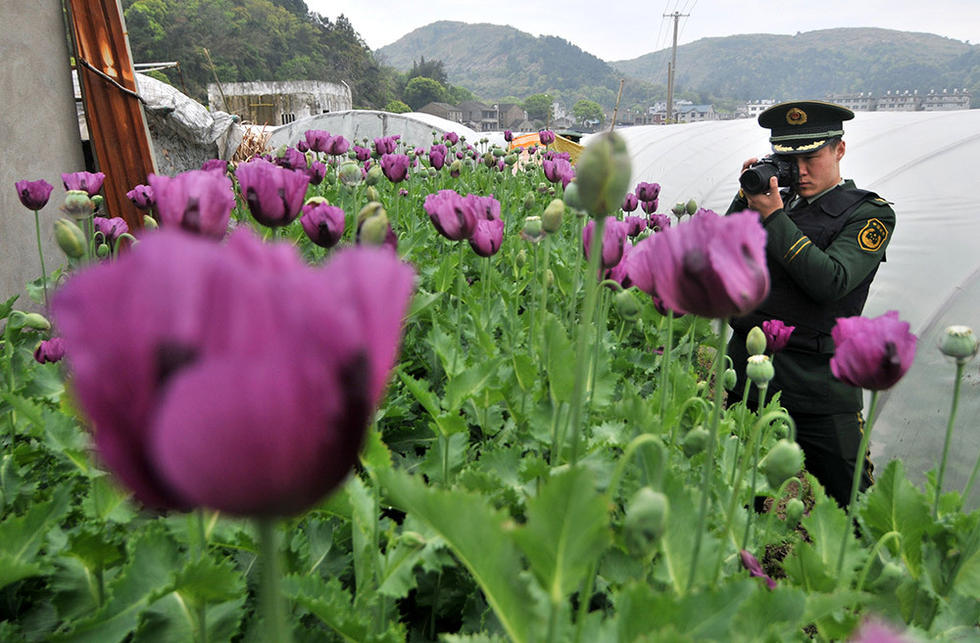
point(755, 178)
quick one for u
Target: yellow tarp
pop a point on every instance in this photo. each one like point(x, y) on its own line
point(561, 144)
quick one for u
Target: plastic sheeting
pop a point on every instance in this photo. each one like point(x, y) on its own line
point(928, 165)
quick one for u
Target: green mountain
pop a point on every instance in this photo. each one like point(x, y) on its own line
point(496, 61)
point(816, 63)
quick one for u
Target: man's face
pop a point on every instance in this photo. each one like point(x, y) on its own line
point(819, 170)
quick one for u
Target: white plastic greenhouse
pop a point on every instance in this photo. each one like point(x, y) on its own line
point(928, 165)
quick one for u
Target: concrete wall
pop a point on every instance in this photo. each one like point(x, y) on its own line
point(277, 102)
point(38, 134)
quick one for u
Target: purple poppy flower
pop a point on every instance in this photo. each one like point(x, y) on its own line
point(111, 229)
point(658, 222)
point(88, 182)
point(362, 153)
point(274, 195)
point(452, 137)
point(619, 273)
point(316, 172)
point(630, 202)
point(508, 135)
point(34, 194)
point(215, 165)
point(452, 215)
point(558, 170)
point(232, 376)
point(872, 353)
point(634, 225)
point(437, 155)
point(712, 266)
point(317, 140)
point(752, 564)
point(49, 350)
point(197, 201)
point(292, 159)
point(385, 145)
point(142, 196)
point(487, 237)
point(337, 145)
point(647, 191)
point(613, 241)
point(323, 223)
point(875, 631)
point(650, 206)
point(395, 167)
point(777, 334)
point(302, 146)
point(546, 136)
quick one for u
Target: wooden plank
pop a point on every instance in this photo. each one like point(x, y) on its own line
point(116, 123)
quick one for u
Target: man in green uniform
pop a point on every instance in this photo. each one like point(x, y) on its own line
point(825, 239)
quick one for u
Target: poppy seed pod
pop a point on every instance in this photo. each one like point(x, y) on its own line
point(374, 175)
point(533, 229)
point(960, 343)
point(755, 343)
point(78, 204)
point(783, 461)
point(552, 216)
point(759, 369)
point(695, 441)
point(603, 174)
point(349, 173)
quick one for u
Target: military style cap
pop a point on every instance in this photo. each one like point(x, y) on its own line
point(803, 126)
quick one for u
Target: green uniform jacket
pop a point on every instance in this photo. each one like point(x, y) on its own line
point(822, 257)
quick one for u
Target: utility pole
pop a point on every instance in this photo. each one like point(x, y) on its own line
point(672, 67)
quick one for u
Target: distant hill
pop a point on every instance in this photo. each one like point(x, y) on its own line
point(496, 61)
point(816, 63)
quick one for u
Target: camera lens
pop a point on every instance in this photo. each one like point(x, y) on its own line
point(756, 179)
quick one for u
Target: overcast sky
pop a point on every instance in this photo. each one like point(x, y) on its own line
point(625, 29)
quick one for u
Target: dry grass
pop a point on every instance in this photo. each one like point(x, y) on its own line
point(255, 141)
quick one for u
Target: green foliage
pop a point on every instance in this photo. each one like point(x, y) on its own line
point(588, 110)
point(538, 107)
point(420, 91)
point(397, 107)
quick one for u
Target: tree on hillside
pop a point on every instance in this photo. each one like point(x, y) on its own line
point(588, 110)
point(397, 107)
point(538, 107)
point(421, 91)
point(434, 69)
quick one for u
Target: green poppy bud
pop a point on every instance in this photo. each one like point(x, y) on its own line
point(499, 152)
point(783, 461)
point(521, 258)
point(755, 344)
point(889, 578)
point(149, 223)
point(316, 200)
point(455, 168)
point(571, 196)
point(373, 208)
point(78, 204)
point(97, 201)
point(603, 174)
point(794, 511)
point(529, 201)
point(70, 238)
point(552, 216)
point(960, 343)
point(102, 251)
point(626, 305)
point(729, 379)
point(510, 159)
point(371, 192)
point(374, 175)
point(542, 188)
point(330, 177)
point(413, 539)
point(679, 208)
point(432, 172)
point(646, 520)
point(692, 207)
point(36, 321)
point(349, 173)
point(549, 278)
point(695, 441)
point(759, 369)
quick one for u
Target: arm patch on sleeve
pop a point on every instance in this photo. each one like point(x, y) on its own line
point(873, 235)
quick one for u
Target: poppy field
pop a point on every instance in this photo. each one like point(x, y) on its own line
point(365, 391)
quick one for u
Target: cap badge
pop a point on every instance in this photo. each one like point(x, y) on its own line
point(796, 116)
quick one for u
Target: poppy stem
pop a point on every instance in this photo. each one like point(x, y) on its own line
point(40, 252)
point(856, 481)
point(665, 376)
point(270, 597)
point(709, 460)
point(949, 433)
